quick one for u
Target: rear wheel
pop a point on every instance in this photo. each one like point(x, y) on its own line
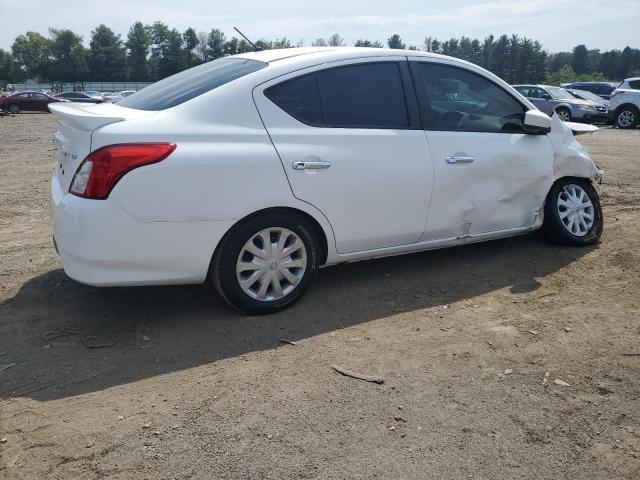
point(13, 108)
point(572, 213)
point(564, 114)
point(266, 263)
point(626, 117)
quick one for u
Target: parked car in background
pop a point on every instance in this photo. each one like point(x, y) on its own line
point(27, 101)
point(624, 108)
point(602, 89)
point(555, 99)
point(630, 84)
point(78, 97)
point(121, 95)
point(584, 95)
point(256, 169)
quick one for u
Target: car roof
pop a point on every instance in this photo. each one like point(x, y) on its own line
point(539, 85)
point(311, 54)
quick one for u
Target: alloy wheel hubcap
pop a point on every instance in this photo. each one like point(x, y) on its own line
point(626, 118)
point(564, 115)
point(575, 210)
point(13, 109)
point(271, 264)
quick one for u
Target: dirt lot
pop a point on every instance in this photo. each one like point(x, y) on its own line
point(168, 382)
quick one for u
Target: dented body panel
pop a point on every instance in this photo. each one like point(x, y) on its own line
point(504, 192)
point(502, 188)
point(571, 158)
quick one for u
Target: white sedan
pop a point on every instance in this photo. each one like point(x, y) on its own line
point(255, 170)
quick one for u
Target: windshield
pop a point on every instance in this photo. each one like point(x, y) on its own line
point(559, 93)
point(191, 83)
point(587, 95)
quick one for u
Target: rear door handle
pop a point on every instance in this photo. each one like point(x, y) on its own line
point(459, 159)
point(310, 165)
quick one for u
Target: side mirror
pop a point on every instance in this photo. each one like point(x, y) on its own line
point(546, 96)
point(536, 123)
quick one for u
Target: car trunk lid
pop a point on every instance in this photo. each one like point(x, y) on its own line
point(76, 124)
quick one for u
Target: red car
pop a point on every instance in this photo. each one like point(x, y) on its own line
point(33, 101)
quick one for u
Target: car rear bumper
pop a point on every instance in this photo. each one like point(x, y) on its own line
point(101, 244)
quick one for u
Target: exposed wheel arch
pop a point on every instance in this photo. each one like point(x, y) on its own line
point(317, 230)
point(625, 106)
point(563, 112)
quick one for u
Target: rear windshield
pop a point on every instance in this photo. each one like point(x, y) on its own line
point(191, 83)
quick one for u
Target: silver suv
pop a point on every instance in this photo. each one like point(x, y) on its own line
point(568, 108)
point(624, 107)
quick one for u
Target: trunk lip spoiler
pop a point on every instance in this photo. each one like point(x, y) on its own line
point(89, 117)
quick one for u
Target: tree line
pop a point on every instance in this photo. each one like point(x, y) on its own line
point(153, 52)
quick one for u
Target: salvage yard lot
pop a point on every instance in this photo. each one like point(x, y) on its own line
point(473, 344)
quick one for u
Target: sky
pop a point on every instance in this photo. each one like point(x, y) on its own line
point(558, 24)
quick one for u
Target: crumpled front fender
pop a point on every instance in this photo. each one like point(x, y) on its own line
point(571, 158)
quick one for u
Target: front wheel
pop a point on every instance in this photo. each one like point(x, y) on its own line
point(572, 213)
point(266, 263)
point(14, 109)
point(564, 114)
point(626, 118)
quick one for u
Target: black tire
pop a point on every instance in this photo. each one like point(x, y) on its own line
point(564, 112)
point(626, 118)
point(553, 227)
point(13, 109)
point(223, 268)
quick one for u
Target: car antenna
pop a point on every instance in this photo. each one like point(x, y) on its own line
point(255, 47)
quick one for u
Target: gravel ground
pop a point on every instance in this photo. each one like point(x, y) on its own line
point(168, 382)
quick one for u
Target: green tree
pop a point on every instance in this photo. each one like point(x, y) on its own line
point(167, 54)
point(138, 42)
point(580, 61)
point(9, 69)
point(488, 47)
point(107, 56)
point(368, 43)
point(68, 56)
point(565, 75)
point(608, 64)
point(394, 41)
point(216, 44)
point(190, 38)
point(626, 65)
point(31, 52)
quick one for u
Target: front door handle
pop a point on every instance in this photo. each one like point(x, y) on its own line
point(459, 159)
point(310, 165)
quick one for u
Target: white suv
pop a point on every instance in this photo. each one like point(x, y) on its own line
point(624, 107)
point(257, 169)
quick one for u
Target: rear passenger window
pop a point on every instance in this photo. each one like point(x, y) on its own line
point(299, 98)
point(366, 96)
point(460, 100)
point(356, 96)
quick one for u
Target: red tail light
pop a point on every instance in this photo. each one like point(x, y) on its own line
point(101, 170)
